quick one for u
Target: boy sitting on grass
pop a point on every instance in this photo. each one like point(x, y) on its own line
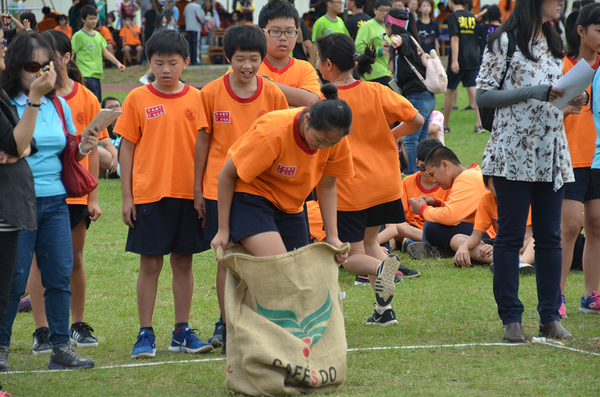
point(227, 108)
point(159, 125)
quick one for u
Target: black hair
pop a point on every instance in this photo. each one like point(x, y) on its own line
point(31, 18)
point(19, 52)
point(110, 15)
point(330, 114)
point(426, 146)
point(46, 10)
point(441, 153)
point(126, 17)
point(508, 5)
point(589, 15)
point(87, 10)
point(411, 28)
point(108, 98)
point(462, 2)
point(277, 9)
point(62, 44)
point(244, 38)
point(486, 179)
point(427, 1)
point(526, 20)
point(379, 3)
point(60, 17)
point(239, 14)
point(339, 48)
point(493, 13)
point(360, 3)
point(167, 42)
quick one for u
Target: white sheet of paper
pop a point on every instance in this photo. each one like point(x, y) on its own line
point(577, 80)
point(103, 119)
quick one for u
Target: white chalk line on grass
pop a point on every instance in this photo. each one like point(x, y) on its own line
point(542, 341)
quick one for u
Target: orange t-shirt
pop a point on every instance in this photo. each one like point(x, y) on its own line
point(163, 127)
point(580, 128)
point(226, 117)
point(273, 162)
point(84, 107)
point(506, 14)
point(461, 205)
point(46, 24)
point(131, 35)
point(68, 31)
point(486, 219)
point(412, 188)
point(107, 34)
point(315, 220)
point(296, 74)
point(377, 176)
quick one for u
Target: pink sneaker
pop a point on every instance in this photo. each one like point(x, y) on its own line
point(591, 304)
point(563, 307)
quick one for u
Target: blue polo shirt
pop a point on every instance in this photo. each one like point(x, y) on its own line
point(50, 141)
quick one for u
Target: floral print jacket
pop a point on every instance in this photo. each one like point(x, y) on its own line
point(528, 141)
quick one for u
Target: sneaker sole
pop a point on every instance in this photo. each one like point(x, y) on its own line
point(38, 352)
point(214, 342)
point(54, 366)
point(385, 287)
point(83, 344)
point(420, 250)
point(144, 355)
point(183, 349)
point(586, 310)
point(359, 283)
point(392, 322)
point(526, 269)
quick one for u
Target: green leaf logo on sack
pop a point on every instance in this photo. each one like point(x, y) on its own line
point(309, 330)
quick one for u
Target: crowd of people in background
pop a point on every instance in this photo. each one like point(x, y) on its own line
point(345, 81)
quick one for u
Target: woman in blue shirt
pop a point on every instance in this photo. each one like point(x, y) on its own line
point(51, 242)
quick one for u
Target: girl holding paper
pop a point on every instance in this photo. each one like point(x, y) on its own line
point(528, 157)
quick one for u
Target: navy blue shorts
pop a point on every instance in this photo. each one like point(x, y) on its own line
point(488, 240)
point(467, 77)
point(211, 222)
point(167, 226)
point(352, 224)
point(251, 215)
point(582, 189)
point(77, 213)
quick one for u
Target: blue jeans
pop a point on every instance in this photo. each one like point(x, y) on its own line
point(514, 198)
point(52, 245)
point(93, 84)
point(192, 39)
point(424, 102)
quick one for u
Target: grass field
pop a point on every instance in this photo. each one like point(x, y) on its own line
point(445, 306)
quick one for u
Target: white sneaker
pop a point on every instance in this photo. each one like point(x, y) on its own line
point(144, 80)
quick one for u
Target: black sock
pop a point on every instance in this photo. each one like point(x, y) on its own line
point(147, 328)
point(180, 325)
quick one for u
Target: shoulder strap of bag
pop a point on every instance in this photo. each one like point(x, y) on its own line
point(61, 112)
point(414, 69)
point(512, 46)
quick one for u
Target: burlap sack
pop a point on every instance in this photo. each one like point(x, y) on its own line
point(285, 326)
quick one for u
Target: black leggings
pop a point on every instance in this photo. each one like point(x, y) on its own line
point(8, 257)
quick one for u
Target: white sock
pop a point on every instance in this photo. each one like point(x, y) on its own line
point(381, 309)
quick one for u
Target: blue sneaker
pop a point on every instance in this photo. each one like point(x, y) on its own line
point(145, 346)
point(186, 341)
point(216, 340)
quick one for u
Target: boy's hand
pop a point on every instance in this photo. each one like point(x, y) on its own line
point(462, 257)
point(486, 251)
point(7, 158)
point(129, 212)
point(455, 67)
point(121, 67)
point(341, 259)
point(200, 205)
point(94, 210)
point(220, 240)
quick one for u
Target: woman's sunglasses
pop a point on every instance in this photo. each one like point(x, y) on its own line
point(34, 67)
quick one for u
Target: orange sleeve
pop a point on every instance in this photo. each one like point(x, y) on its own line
point(128, 125)
point(339, 164)
point(315, 221)
point(308, 78)
point(462, 203)
point(485, 213)
point(205, 109)
point(122, 32)
point(253, 156)
point(396, 107)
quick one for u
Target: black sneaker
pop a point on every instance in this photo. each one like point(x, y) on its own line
point(408, 273)
point(41, 344)
point(385, 286)
point(4, 350)
point(81, 335)
point(224, 334)
point(362, 280)
point(420, 250)
point(216, 340)
point(388, 317)
point(65, 357)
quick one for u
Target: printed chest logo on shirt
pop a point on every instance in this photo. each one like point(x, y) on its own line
point(155, 111)
point(80, 118)
point(90, 47)
point(286, 170)
point(223, 117)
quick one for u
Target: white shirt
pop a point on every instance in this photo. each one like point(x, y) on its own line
point(194, 17)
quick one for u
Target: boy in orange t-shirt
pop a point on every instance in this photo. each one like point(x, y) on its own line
point(159, 125)
point(479, 246)
point(130, 33)
point(227, 108)
point(456, 214)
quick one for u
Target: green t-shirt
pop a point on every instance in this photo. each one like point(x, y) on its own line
point(372, 33)
point(88, 51)
point(324, 26)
